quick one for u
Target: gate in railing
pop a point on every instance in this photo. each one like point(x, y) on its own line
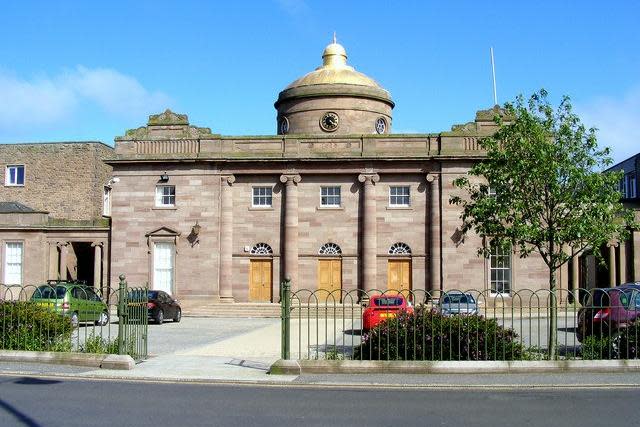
point(459, 325)
point(133, 325)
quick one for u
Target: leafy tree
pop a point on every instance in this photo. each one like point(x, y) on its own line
point(541, 189)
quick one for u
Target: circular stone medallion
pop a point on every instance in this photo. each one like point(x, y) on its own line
point(284, 125)
point(381, 125)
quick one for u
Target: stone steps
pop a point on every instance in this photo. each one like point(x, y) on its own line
point(263, 310)
point(267, 310)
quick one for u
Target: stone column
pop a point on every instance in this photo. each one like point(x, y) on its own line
point(636, 255)
point(612, 263)
point(62, 267)
point(290, 244)
point(97, 264)
point(623, 262)
point(575, 276)
point(226, 239)
point(434, 236)
point(369, 231)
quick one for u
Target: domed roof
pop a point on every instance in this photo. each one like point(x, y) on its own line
point(335, 77)
point(334, 70)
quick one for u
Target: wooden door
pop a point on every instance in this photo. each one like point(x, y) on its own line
point(260, 280)
point(399, 275)
point(329, 280)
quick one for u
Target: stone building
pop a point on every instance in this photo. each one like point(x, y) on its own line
point(623, 257)
point(51, 213)
point(334, 199)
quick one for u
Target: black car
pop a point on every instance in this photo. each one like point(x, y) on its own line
point(163, 306)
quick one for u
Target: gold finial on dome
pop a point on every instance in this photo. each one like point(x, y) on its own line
point(334, 55)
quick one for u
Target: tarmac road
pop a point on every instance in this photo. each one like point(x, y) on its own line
point(42, 401)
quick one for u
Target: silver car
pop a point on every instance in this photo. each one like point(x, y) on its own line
point(457, 303)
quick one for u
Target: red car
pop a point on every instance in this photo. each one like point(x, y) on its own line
point(383, 307)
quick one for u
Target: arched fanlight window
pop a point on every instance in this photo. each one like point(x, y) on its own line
point(330, 249)
point(400, 249)
point(261, 249)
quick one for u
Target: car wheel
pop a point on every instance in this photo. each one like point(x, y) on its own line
point(178, 316)
point(74, 320)
point(160, 317)
point(103, 319)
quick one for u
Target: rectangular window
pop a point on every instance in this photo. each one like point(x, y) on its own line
point(163, 253)
point(262, 197)
point(500, 269)
point(13, 253)
point(330, 196)
point(630, 186)
point(165, 196)
point(399, 196)
point(14, 175)
point(106, 201)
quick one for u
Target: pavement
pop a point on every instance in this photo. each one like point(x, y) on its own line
point(210, 350)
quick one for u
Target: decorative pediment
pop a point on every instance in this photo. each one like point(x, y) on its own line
point(168, 117)
point(465, 128)
point(490, 114)
point(163, 232)
point(165, 126)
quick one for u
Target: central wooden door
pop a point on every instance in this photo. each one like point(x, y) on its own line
point(399, 275)
point(260, 280)
point(329, 280)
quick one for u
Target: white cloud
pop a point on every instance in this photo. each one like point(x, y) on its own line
point(618, 122)
point(49, 100)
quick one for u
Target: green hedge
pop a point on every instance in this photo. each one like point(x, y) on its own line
point(427, 335)
point(28, 326)
point(622, 344)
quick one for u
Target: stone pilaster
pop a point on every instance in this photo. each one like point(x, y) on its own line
point(369, 231)
point(612, 263)
point(622, 262)
point(226, 239)
point(435, 284)
point(290, 245)
point(575, 276)
point(97, 265)
point(62, 267)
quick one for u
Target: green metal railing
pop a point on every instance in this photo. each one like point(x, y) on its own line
point(595, 324)
point(72, 317)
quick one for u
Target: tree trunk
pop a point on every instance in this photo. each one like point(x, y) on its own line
point(553, 316)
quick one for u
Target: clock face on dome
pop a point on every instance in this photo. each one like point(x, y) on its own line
point(381, 125)
point(329, 122)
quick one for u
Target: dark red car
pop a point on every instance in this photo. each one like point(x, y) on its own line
point(163, 306)
point(607, 310)
point(383, 307)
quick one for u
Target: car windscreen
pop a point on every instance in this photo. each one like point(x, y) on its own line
point(49, 292)
point(604, 297)
point(152, 295)
point(389, 301)
point(458, 299)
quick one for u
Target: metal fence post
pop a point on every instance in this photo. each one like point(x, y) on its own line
point(285, 304)
point(122, 313)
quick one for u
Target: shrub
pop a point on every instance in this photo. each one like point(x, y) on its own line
point(594, 348)
point(98, 344)
point(28, 326)
point(427, 335)
point(628, 341)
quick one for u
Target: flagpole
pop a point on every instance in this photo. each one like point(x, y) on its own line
point(493, 72)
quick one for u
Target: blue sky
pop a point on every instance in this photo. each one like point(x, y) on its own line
point(80, 70)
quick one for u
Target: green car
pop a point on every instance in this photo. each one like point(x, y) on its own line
point(73, 299)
